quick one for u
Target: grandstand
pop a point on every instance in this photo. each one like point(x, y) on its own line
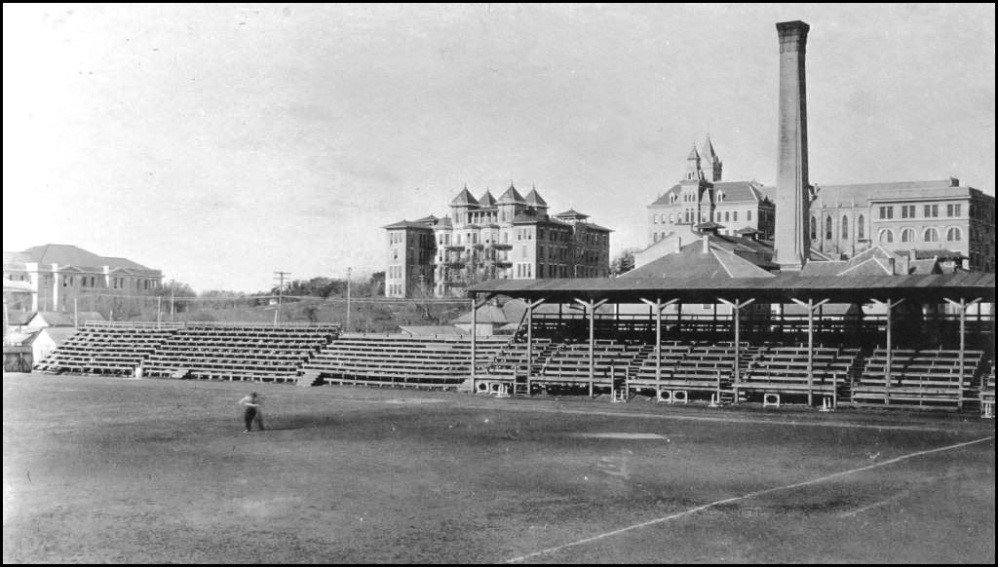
point(901, 359)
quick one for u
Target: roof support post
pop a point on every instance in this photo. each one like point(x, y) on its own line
point(736, 308)
point(474, 335)
point(889, 305)
point(811, 306)
point(592, 306)
point(658, 306)
point(962, 305)
point(530, 343)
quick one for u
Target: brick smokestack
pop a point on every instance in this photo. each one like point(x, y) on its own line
point(793, 192)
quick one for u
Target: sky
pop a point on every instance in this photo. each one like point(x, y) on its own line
point(220, 143)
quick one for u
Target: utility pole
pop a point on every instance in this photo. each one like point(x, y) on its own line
point(280, 293)
point(349, 274)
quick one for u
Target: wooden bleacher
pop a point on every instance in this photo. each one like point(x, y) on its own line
point(105, 349)
point(920, 379)
point(783, 370)
point(567, 363)
point(402, 360)
point(262, 353)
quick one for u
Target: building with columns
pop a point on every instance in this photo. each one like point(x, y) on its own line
point(512, 237)
point(59, 274)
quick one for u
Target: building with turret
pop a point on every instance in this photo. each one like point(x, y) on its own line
point(512, 237)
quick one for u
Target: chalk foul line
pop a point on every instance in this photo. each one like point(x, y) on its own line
point(745, 497)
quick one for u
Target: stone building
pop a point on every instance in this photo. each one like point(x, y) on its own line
point(512, 237)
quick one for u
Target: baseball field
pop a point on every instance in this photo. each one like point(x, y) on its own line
point(114, 470)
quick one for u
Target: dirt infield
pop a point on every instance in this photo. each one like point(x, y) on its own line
point(112, 470)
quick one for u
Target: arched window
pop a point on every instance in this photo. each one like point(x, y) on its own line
point(907, 235)
point(931, 235)
point(814, 228)
point(954, 235)
point(828, 228)
point(860, 228)
point(886, 236)
point(845, 228)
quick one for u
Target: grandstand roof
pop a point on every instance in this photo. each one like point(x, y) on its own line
point(928, 287)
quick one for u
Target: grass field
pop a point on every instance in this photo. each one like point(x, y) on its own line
point(111, 470)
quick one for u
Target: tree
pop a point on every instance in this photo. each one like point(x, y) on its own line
point(624, 262)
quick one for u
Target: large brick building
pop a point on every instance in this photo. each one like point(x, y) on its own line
point(512, 237)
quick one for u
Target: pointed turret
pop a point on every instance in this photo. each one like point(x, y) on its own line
point(712, 161)
point(487, 200)
point(693, 171)
point(534, 199)
point(511, 195)
point(464, 199)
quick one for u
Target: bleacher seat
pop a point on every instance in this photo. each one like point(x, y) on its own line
point(264, 353)
point(105, 349)
point(380, 359)
point(921, 378)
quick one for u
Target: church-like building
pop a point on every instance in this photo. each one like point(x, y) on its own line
point(917, 220)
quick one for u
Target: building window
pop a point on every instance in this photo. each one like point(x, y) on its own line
point(814, 228)
point(954, 234)
point(931, 211)
point(886, 212)
point(953, 210)
point(828, 228)
point(845, 228)
point(886, 237)
point(750, 216)
point(907, 235)
point(931, 235)
point(860, 228)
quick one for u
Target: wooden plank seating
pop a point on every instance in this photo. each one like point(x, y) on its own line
point(104, 350)
point(782, 370)
point(920, 379)
point(403, 360)
point(568, 362)
point(239, 352)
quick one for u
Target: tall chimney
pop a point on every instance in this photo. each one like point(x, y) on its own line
point(792, 240)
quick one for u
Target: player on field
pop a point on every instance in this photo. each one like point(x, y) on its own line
point(253, 411)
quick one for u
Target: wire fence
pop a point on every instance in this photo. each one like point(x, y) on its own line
point(360, 314)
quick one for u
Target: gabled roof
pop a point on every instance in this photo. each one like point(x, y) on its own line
point(427, 220)
point(720, 261)
point(594, 226)
point(694, 154)
point(487, 200)
point(892, 191)
point(534, 198)
point(739, 191)
point(511, 195)
point(464, 199)
point(404, 224)
point(69, 255)
point(571, 213)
